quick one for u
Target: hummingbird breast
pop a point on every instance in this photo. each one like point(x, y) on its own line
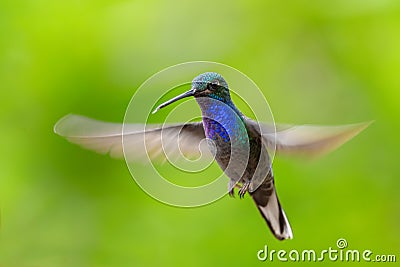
point(233, 143)
point(223, 123)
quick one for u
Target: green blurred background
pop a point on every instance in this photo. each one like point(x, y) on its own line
point(316, 62)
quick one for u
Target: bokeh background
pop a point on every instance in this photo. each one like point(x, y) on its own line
point(322, 62)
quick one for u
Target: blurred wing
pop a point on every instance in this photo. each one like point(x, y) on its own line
point(139, 140)
point(308, 140)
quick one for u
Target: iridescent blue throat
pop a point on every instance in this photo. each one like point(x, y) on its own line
point(222, 120)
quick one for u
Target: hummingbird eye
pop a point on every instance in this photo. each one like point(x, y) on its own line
point(213, 85)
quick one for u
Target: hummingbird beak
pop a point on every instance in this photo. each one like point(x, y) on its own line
point(184, 95)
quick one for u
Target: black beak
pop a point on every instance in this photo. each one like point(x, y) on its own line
point(184, 95)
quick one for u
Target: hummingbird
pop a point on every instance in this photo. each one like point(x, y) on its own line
point(240, 146)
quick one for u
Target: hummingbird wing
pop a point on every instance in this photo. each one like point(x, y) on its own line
point(136, 141)
point(307, 140)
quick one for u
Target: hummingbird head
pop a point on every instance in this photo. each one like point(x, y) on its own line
point(208, 84)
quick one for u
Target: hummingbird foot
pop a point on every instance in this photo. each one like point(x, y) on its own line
point(231, 188)
point(243, 189)
point(232, 192)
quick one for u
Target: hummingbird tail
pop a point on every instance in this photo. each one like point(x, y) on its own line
point(268, 204)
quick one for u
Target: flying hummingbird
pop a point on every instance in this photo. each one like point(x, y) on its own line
point(240, 145)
